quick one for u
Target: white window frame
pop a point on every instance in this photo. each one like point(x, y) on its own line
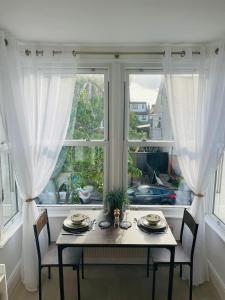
point(115, 143)
point(217, 189)
point(8, 228)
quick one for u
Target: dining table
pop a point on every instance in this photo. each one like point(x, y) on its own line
point(117, 237)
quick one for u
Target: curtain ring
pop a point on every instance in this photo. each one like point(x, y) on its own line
point(29, 200)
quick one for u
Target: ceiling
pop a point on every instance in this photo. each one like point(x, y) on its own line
point(118, 22)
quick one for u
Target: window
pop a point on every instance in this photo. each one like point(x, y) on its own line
point(94, 158)
point(219, 197)
point(152, 87)
point(134, 106)
point(151, 169)
point(8, 193)
point(80, 173)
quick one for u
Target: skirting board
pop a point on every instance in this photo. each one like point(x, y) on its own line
point(14, 278)
point(216, 281)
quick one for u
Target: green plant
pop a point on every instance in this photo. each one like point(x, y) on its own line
point(116, 199)
point(75, 197)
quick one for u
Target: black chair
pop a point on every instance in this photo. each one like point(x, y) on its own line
point(71, 256)
point(162, 256)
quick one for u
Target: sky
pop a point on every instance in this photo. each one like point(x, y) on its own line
point(144, 87)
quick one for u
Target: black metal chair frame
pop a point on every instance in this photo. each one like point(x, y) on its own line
point(193, 227)
point(41, 266)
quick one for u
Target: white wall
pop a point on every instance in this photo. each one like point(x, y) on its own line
point(10, 254)
point(215, 245)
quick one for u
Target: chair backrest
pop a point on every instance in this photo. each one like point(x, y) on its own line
point(38, 226)
point(189, 221)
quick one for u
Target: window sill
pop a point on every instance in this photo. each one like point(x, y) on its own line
point(63, 210)
point(216, 225)
point(10, 229)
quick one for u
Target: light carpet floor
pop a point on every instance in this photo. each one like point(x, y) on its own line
point(115, 282)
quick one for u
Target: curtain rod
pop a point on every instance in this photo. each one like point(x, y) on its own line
point(115, 54)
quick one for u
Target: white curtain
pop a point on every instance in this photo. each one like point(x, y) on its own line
point(196, 96)
point(36, 103)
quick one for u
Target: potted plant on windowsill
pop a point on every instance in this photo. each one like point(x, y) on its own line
point(116, 199)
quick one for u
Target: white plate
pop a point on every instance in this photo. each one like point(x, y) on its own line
point(78, 218)
point(152, 219)
point(159, 225)
point(68, 223)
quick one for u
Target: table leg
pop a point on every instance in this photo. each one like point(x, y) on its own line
point(148, 258)
point(171, 272)
point(61, 281)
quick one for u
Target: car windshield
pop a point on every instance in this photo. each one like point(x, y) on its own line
point(144, 190)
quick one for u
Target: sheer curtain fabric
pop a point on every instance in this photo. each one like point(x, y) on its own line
point(36, 103)
point(196, 97)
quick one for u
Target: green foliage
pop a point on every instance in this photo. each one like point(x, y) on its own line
point(75, 198)
point(133, 121)
point(132, 170)
point(116, 199)
point(89, 111)
point(86, 171)
point(85, 165)
point(133, 132)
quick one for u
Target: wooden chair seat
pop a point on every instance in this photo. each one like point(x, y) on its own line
point(71, 257)
point(162, 256)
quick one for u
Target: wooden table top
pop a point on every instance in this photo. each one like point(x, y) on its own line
point(117, 237)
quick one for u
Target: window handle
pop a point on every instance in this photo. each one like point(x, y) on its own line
point(3, 197)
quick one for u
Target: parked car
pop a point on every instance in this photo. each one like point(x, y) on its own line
point(151, 194)
point(88, 195)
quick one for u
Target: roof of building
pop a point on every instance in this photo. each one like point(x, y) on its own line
point(138, 102)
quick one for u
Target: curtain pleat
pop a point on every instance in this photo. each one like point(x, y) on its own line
point(36, 102)
point(196, 97)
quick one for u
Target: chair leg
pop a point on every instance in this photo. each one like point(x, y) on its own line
point(78, 282)
point(191, 282)
point(39, 283)
point(82, 264)
point(181, 270)
point(153, 281)
point(49, 273)
point(148, 256)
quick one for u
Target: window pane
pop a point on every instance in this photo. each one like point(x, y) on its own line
point(78, 177)
point(9, 205)
point(154, 177)
point(148, 108)
point(87, 116)
point(219, 201)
